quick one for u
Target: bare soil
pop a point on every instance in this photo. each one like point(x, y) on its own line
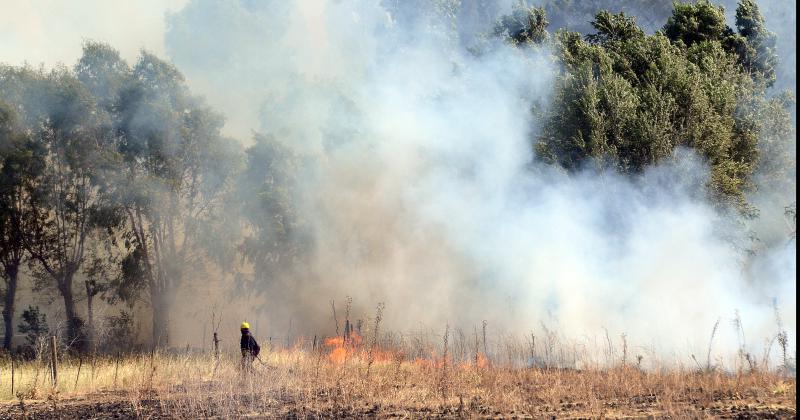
point(161, 405)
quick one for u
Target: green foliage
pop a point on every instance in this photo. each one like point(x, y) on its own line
point(577, 15)
point(698, 22)
point(614, 28)
point(267, 190)
point(525, 25)
point(119, 153)
point(627, 100)
point(67, 137)
point(776, 164)
point(118, 334)
point(102, 71)
point(33, 326)
point(176, 168)
point(133, 279)
point(757, 54)
point(21, 167)
point(753, 44)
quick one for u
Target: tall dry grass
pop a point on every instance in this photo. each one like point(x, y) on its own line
point(400, 372)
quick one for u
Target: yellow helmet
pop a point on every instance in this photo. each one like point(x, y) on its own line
point(245, 326)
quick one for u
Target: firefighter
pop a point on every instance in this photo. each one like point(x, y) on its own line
point(249, 347)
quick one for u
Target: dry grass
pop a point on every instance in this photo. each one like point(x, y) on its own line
point(372, 381)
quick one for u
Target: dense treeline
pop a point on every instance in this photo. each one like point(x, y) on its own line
point(112, 175)
point(628, 100)
point(117, 184)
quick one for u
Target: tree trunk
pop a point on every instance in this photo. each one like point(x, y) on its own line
point(90, 315)
point(74, 338)
point(12, 274)
point(161, 309)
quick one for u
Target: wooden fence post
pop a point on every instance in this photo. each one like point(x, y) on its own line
point(216, 347)
point(53, 359)
point(94, 358)
point(216, 353)
point(116, 368)
point(78, 375)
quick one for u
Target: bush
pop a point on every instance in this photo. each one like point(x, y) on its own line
point(118, 334)
point(34, 327)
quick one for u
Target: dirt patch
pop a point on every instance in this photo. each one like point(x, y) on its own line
point(121, 405)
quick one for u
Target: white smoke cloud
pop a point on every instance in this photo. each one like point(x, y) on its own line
point(423, 195)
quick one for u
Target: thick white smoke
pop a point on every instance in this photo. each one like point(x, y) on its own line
point(423, 194)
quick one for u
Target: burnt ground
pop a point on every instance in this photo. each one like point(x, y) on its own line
point(122, 405)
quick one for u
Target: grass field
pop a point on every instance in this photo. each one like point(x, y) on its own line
point(337, 379)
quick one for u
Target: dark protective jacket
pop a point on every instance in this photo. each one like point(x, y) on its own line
point(249, 343)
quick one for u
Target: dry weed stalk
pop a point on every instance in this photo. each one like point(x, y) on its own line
point(485, 350)
point(335, 320)
point(373, 344)
point(624, 349)
point(710, 342)
point(443, 379)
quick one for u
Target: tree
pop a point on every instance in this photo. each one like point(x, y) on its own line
point(614, 28)
point(698, 22)
point(100, 272)
point(103, 73)
point(627, 100)
point(577, 15)
point(276, 238)
point(20, 168)
point(753, 44)
point(757, 52)
point(525, 25)
point(176, 168)
point(34, 326)
point(72, 131)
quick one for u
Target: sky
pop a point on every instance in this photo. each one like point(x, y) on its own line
point(51, 31)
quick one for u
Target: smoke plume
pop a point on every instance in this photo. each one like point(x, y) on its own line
point(425, 194)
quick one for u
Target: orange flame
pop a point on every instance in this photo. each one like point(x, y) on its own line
point(480, 361)
point(346, 348)
point(379, 356)
point(342, 348)
point(433, 362)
